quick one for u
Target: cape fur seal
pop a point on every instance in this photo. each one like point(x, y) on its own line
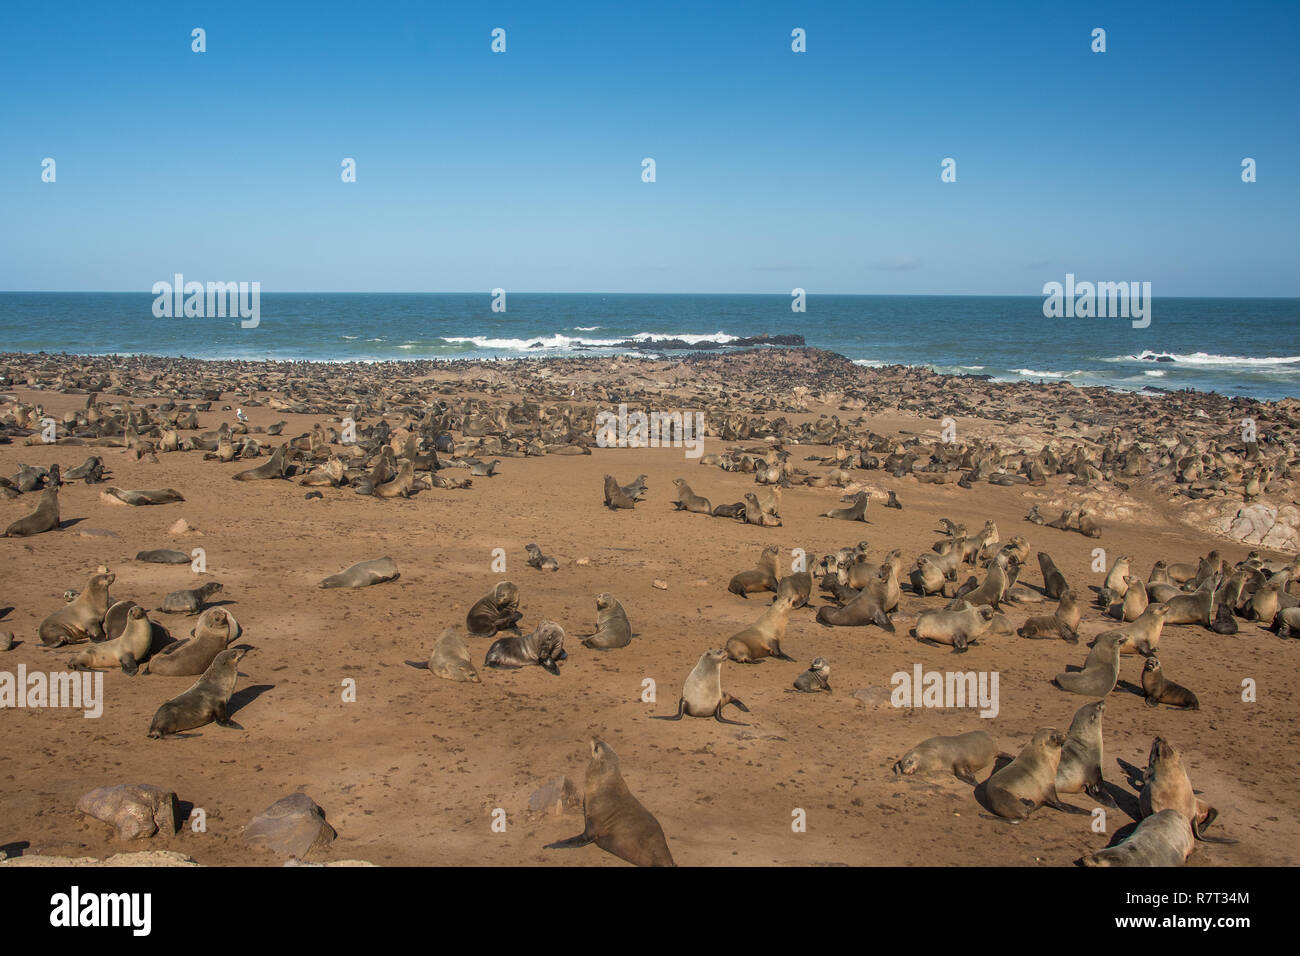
point(615, 820)
point(1054, 584)
point(544, 646)
point(1081, 755)
point(127, 650)
point(1100, 670)
point(761, 578)
point(612, 626)
point(450, 659)
point(1159, 691)
point(1165, 785)
point(540, 561)
point(763, 638)
point(190, 600)
point(855, 512)
point(45, 517)
point(614, 497)
point(867, 607)
point(963, 756)
point(1029, 781)
point(1063, 623)
point(702, 694)
point(145, 496)
point(958, 628)
point(206, 701)
point(816, 678)
point(363, 574)
point(81, 619)
point(688, 500)
point(1162, 839)
point(163, 556)
point(216, 630)
point(495, 611)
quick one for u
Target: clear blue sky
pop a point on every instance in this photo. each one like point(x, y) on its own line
point(775, 169)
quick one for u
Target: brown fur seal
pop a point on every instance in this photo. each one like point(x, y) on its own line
point(1054, 584)
point(1100, 670)
point(865, 608)
point(702, 694)
point(495, 611)
point(856, 512)
point(615, 820)
point(363, 574)
point(1081, 757)
point(273, 467)
point(1135, 600)
point(450, 659)
point(797, 586)
point(215, 631)
point(612, 626)
point(614, 497)
point(1162, 839)
point(163, 556)
point(1064, 623)
point(963, 756)
point(540, 561)
point(688, 500)
point(127, 650)
point(116, 618)
point(1029, 781)
point(761, 578)
point(45, 517)
point(754, 513)
point(816, 678)
point(763, 638)
point(82, 618)
point(1158, 690)
point(956, 628)
point(145, 496)
point(544, 646)
point(203, 703)
point(1165, 785)
point(1144, 633)
point(189, 600)
point(1286, 621)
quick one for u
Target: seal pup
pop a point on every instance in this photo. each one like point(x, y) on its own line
point(754, 513)
point(127, 650)
point(763, 638)
point(636, 489)
point(855, 512)
point(1159, 691)
point(963, 756)
point(81, 619)
point(816, 678)
point(495, 611)
point(450, 659)
point(1029, 781)
point(702, 694)
point(957, 628)
point(145, 496)
point(207, 701)
point(1162, 839)
point(1286, 621)
point(363, 574)
point(615, 820)
point(612, 626)
point(688, 500)
point(540, 561)
point(189, 600)
point(761, 578)
point(544, 646)
point(893, 501)
point(867, 607)
point(45, 517)
point(163, 556)
point(1100, 670)
point(614, 497)
point(1081, 756)
point(1166, 785)
point(216, 630)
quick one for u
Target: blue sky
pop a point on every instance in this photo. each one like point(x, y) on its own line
point(774, 169)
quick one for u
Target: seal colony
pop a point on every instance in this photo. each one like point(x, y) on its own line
point(432, 468)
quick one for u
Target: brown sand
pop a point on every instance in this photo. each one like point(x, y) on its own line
point(411, 772)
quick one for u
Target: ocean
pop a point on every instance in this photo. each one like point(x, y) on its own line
point(1247, 347)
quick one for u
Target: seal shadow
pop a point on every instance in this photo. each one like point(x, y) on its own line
point(1134, 774)
point(161, 637)
point(1131, 688)
point(4, 612)
point(242, 698)
point(68, 523)
point(11, 850)
point(980, 792)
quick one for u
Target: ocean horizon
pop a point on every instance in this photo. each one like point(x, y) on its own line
point(1236, 346)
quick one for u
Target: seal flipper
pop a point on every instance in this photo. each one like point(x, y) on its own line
point(738, 702)
point(129, 665)
point(422, 665)
point(1056, 803)
point(965, 776)
point(681, 709)
point(717, 715)
point(1099, 793)
point(881, 619)
point(582, 839)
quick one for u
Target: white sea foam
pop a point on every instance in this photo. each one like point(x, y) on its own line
point(1031, 373)
point(1207, 358)
point(561, 341)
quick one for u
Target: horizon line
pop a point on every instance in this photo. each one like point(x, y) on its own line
point(784, 295)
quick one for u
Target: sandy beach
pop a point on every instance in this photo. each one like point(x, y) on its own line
point(411, 772)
